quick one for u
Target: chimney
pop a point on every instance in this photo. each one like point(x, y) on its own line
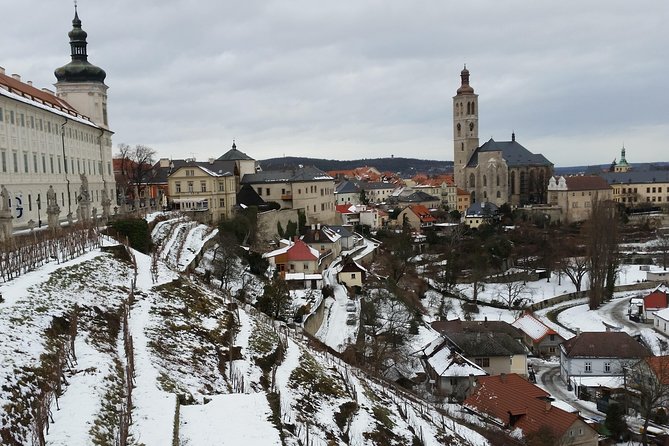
point(164, 162)
point(502, 377)
point(578, 332)
point(2, 70)
point(29, 83)
point(46, 90)
point(211, 160)
point(548, 405)
point(17, 77)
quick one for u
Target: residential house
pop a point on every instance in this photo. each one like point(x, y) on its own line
point(297, 263)
point(347, 193)
point(304, 188)
point(513, 403)
point(326, 241)
point(354, 215)
point(657, 274)
point(480, 213)
point(415, 197)
point(212, 191)
point(463, 201)
point(655, 301)
point(352, 274)
point(495, 346)
point(449, 372)
point(537, 336)
point(418, 217)
point(349, 239)
point(598, 359)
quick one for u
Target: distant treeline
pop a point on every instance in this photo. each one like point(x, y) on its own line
point(404, 166)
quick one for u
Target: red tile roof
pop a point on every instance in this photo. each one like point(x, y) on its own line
point(300, 251)
point(422, 213)
point(518, 403)
point(586, 182)
point(22, 89)
point(660, 366)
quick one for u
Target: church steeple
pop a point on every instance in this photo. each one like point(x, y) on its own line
point(79, 69)
point(622, 165)
point(465, 128)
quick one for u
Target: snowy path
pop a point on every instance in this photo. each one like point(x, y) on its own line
point(334, 330)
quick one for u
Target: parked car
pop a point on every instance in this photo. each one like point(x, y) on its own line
point(351, 319)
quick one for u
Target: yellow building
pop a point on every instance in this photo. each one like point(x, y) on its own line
point(204, 187)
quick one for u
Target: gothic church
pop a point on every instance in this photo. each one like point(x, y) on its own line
point(497, 171)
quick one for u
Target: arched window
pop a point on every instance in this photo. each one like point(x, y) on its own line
point(485, 181)
point(497, 180)
point(471, 126)
point(499, 194)
point(473, 108)
point(462, 146)
point(472, 182)
point(512, 183)
point(485, 194)
point(459, 127)
point(469, 108)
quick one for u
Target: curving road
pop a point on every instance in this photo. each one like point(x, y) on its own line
point(549, 379)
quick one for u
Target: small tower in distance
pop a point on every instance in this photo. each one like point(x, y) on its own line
point(465, 128)
point(81, 83)
point(622, 165)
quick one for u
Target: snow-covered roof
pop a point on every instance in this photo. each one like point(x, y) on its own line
point(303, 276)
point(446, 362)
point(610, 382)
point(532, 327)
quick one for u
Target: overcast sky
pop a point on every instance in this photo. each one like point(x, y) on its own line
point(349, 79)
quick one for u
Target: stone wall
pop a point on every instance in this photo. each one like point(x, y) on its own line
point(267, 222)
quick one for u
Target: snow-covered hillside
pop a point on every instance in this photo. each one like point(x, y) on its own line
point(207, 371)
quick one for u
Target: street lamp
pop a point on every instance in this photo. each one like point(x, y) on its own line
point(39, 208)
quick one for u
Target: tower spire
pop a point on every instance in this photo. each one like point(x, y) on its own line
point(79, 69)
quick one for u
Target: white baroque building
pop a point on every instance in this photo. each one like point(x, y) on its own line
point(52, 139)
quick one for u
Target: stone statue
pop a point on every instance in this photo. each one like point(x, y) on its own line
point(51, 199)
point(4, 193)
point(83, 189)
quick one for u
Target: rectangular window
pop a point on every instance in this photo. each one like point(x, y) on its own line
point(15, 158)
point(260, 191)
point(25, 162)
point(482, 362)
point(32, 122)
point(11, 116)
point(607, 367)
point(221, 202)
point(3, 156)
point(221, 186)
point(30, 202)
point(267, 191)
point(43, 163)
point(51, 162)
point(34, 162)
point(588, 367)
point(22, 119)
point(177, 186)
point(1, 116)
point(59, 165)
point(203, 186)
point(190, 186)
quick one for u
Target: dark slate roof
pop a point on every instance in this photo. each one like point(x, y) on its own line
point(249, 197)
point(637, 176)
point(373, 185)
point(482, 209)
point(460, 326)
point(346, 187)
point(604, 344)
point(343, 231)
point(294, 175)
point(513, 153)
point(217, 167)
point(486, 344)
point(234, 155)
point(417, 197)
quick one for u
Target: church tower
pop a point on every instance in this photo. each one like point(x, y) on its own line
point(465, 128)
point(81, 83)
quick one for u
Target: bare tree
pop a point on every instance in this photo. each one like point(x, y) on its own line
point(602, 251)
point(136, 166)
point(513, 292)
point(575, 268)
point(650, 379)
point(226, 263)
point(662, 246)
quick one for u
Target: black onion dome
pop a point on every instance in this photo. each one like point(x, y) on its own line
point(79, 69)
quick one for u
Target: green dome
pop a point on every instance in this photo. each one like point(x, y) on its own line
point(79, 69)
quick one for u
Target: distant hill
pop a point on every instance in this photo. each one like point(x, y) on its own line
point(403, 166)
point(575, 170)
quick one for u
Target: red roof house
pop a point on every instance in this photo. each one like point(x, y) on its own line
point(515, 403)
